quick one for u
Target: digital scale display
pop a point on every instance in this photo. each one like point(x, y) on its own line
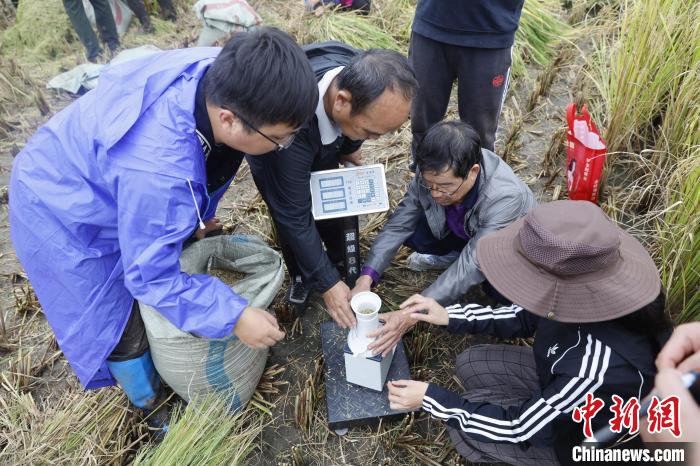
point(349, 191)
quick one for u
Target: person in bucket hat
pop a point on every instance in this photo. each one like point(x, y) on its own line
point(590, 295)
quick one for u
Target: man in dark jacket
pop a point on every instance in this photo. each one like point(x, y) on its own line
point(469, 42)
point(362, 95)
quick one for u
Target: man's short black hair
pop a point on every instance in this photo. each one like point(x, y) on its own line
point(370, 73)
point(264, 75)
point(449, 145)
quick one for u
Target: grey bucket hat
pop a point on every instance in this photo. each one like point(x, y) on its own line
point(567, 261)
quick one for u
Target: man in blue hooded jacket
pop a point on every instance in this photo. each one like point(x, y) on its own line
point(105, 194)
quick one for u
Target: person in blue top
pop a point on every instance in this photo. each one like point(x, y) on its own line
point(105, 194)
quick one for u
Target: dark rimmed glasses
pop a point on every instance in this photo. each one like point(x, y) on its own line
point(421, 182)
point(281, 145)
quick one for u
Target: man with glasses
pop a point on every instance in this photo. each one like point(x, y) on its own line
point(460, 193)
point(362, 95)
point(105, 195)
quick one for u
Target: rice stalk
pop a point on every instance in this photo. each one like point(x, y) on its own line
point(544, 80)
point(205, 432)
point(652, 108)
point(3, 332)
point(297, 456)
point(551, 158)
point(395, 17)
point(268, 386)
point(19, 370)
point(582, 10)
point(335, 24)
point(540, 28)
point(7, 14)
point(679, 238)
point(636, 87)
point(24, 367)
point(512, 142)
point(419, 346)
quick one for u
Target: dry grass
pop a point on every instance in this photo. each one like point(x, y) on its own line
point(308, 400)
point(72, 428)
point(395, 17)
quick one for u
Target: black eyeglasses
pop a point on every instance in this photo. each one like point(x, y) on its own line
point(284, 144)
point(422, 183)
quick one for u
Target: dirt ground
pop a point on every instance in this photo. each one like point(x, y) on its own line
point(530, 138)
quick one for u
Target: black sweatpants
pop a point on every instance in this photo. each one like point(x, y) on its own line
point(105, 24)
point(482, 80)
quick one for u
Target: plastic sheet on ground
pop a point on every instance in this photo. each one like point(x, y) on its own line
point(85, 77)
point(220, 18)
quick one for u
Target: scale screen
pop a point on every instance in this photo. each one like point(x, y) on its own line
point(349, 191)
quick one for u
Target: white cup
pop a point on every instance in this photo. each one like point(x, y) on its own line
point(366, 322)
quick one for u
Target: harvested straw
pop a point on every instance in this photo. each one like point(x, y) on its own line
point(306, 403)
point(335, 24)
point(81, 428)
point(26, 300)
point(348, 27)
point(206, 433)
point(41, 31)
point(395, 17)
point(540, 28)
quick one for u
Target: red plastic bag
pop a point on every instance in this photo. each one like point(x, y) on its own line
point(585, 156)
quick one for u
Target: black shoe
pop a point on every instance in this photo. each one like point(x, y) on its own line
point(298, 293)
point(147, 28)
point(96, 58)
point(158, 417)
point(113, 47)
point(169, 14)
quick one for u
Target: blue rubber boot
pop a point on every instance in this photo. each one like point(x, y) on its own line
point(139, 379)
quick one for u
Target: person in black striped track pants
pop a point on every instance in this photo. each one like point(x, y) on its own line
point(590, 295)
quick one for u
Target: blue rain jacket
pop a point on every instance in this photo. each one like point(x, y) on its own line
point(101, 204)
